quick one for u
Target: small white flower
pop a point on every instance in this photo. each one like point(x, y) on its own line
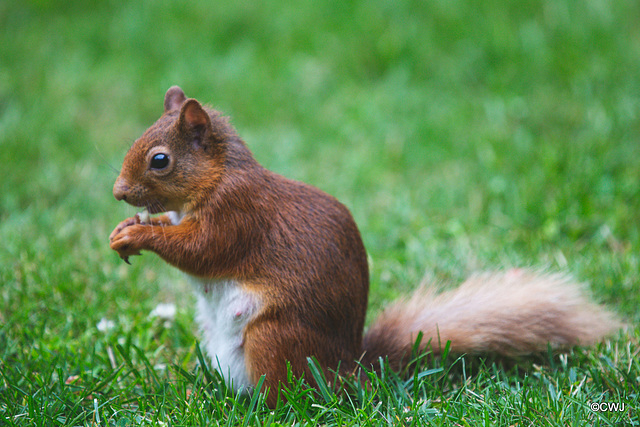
point(105, 324)
point(164, 311)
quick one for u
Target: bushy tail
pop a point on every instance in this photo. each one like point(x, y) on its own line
point(511, 313)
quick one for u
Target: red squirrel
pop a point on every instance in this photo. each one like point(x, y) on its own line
point(281, 273)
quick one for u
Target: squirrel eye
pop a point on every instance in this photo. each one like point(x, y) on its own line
point(159, 161)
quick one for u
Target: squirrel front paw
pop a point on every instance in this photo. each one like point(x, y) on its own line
point(126, 238)
point(124, 224)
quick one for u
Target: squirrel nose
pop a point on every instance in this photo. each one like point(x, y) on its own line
point(120, 189)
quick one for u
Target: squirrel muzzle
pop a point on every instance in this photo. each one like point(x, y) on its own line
point(120, 189)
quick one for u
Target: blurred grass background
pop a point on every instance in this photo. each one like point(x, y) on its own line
point(462, 134)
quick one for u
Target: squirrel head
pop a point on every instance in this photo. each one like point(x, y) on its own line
point(177, 159)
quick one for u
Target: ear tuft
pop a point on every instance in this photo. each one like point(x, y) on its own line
point(174, 98)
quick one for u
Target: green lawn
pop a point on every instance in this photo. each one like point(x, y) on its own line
point(464, 135)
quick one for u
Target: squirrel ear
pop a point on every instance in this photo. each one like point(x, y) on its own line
point(193, 115)
point(174, 98)
point(195, 120)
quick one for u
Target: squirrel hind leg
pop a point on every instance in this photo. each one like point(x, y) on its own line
point(272, 346)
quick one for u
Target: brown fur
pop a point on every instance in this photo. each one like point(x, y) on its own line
point(300, 250)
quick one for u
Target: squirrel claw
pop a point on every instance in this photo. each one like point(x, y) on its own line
point(125, 258)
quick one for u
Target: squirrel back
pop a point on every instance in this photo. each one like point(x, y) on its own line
point(281, 271)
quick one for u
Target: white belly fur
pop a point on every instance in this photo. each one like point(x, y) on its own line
point(222, 312)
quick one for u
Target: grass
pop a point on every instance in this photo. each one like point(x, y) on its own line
point(463, 135)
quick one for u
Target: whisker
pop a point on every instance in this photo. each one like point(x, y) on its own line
point(104, 159)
